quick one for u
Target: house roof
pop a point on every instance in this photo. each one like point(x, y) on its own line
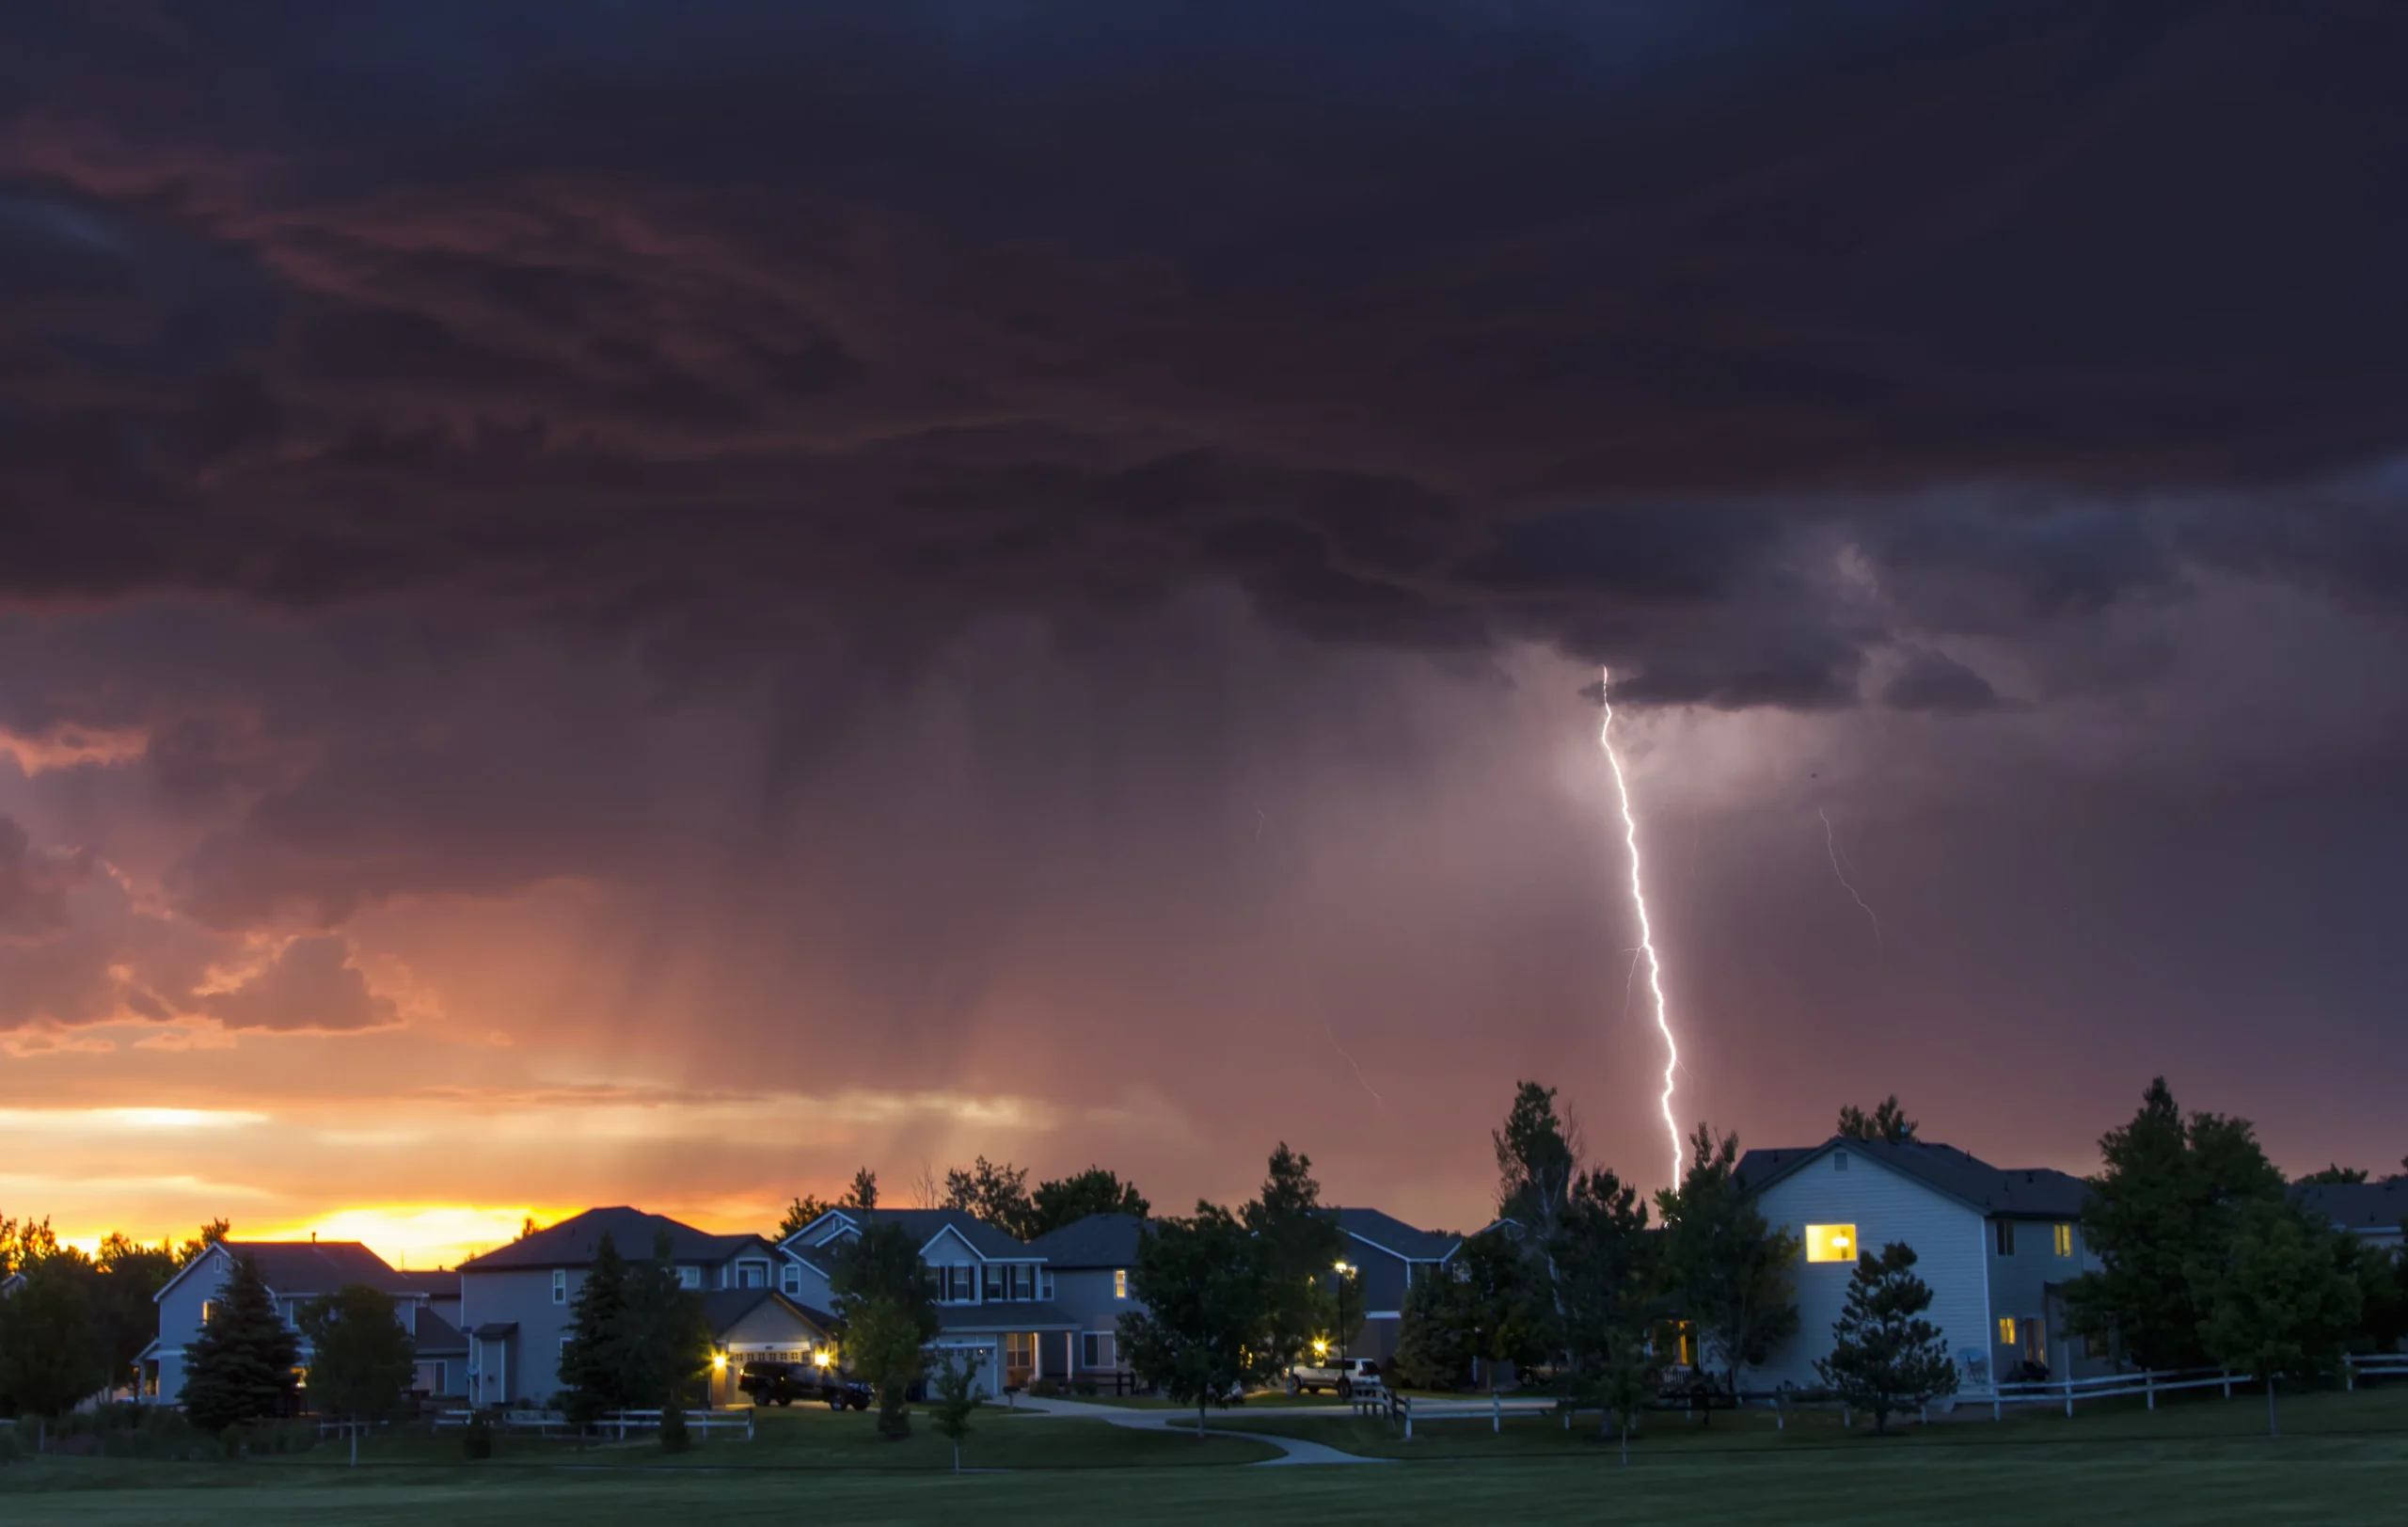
point(439, 1284)
point(297, 1268)
point(2362, 1208)
point(437, 1337)
point(1020, 1315)
point(573, 1241)
point(1096, 1241)
point(2008, 1193)
point(923, 1224)
point(1396, 1237)
point(725, 1306)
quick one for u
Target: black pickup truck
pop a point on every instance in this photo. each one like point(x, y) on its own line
point(783, 1383)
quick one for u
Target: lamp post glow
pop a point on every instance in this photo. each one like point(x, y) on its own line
point(1344, 1272)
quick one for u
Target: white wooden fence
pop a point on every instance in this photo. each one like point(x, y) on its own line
point(616, 1423)
point(1410, 1408)
point(2151, 1383)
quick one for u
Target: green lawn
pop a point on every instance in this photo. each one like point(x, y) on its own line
point(2198, 1463)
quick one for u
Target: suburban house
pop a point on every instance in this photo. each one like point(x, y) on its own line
point(755, 1324)
point(2370, 1211)
point(1090, 1261)
point(297, 1272)
point(1384, 1256)
point(518, 1302)
point(1995, 1247)
point(995, 1295)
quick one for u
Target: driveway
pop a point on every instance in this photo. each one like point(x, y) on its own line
point(1292, 1451)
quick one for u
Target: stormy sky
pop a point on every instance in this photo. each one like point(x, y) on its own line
point(647, 602)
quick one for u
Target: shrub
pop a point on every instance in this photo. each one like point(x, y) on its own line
point(1084, 1386)
point(476, 1439)
point(673, 1435)
point(1045, 1388)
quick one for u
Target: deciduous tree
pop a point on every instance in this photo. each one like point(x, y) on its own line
point(50, 1351)
point(995, 1194)
point(2167, 1204)
point(1207, 1303)
point(1731, 1275)
point(361, 1359)
point(956, 1391)
point(1297, 1245)
point(1885, 1356)
point(2278, 1300)
point(1888, 1122)
point(1095, 1191)
point(887, 1307)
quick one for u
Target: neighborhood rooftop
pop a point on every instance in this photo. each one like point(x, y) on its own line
point(2362, 1208)
point(924, 1225)
point(292, 1267)
point(2033, 1192)
point(573, 1241)
point(1096, 1241)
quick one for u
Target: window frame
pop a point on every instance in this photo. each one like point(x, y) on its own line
point(2002, 1237)
point(1822, 1243)
point(1119, 1283)
point(2061, 1238)
point(559, 1285)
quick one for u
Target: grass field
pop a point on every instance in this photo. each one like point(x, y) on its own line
point(2344, 1461)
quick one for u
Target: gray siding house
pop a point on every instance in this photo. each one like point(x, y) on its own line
point(1091, 1261)
point(296, 1273)
point(517, 1301)
point(1384, 1257)
point(1995, 1247)
point(2370, 1211)
point(994, 1294)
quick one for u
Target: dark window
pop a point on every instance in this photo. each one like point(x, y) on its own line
point(960, 1285)
point(995, 1288)
point(2007, 1238)
point(1023, 1282)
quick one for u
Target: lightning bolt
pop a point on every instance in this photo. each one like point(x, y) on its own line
point(1358, 1070)
point(1832, 842)
point(1646, 934)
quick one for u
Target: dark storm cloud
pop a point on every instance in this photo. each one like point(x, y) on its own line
point(1935, 681)
point(1420, 324)
point(34, 885)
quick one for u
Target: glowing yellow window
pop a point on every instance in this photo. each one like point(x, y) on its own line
point(1831, 1243)
point(2063, 1245)
point(1119, 1283)
point(2006, 1330)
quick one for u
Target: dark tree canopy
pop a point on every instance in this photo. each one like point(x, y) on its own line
point(2336, 1175)
point(241, 1367)
point(2281, 1302)
point(50, 1350)
point(2164, 1209)
point(1730, 1274)
point(1206, 1301)
point(1094, 1191)
point(361, 1359)
point(995, 1194)
point(1888, 1122)
point(1297, 1246)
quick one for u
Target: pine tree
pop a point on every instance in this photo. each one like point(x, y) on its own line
point(664, 1337)
point(1297, 1245)
point(1732, 1275)
point(1885, 1357)
point(593, 1367)
point(242, 1366)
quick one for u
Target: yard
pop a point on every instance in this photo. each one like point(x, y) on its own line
point(2346, 1462)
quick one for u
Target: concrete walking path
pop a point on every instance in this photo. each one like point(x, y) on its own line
point(1292, 1450)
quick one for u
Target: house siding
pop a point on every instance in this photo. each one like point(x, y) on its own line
point(530, 1359)
point(1950, 1241)
point(1084, 1295)
point(2019, 1291)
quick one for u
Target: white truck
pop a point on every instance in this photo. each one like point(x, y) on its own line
point(1343, 1375)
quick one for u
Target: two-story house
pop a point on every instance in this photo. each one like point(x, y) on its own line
point(995, 1295)
point(1091, 1261)
point(2373, 1212)
point(296, 1273)
point(1995, 1246)
point(518, 1302)
point(1384, 1256)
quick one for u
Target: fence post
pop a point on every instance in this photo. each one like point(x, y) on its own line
point(1780, 1419)
point(2069, 1399)
point(2148, 1381)
point(2348, 1374)
point(1496, 1411)
point(1408, 1418)
point(2227, 1384)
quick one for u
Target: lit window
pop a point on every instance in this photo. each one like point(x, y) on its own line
point(2063, 1240)
point(2007, 1238)
point(1119, 1283)
point(559, 1285)
point(1831, 1243)
point(208, 1308)
point(2006, 1330)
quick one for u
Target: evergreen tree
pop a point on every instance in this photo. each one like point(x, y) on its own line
point(957, 1396)
point(1297, 1246)
point(1606, 1269)
point(241, 1368)
point(1483, 1308)
point(1094, 1191)
point(2166, 1208)
point(1888, 1122)
point(1885, 1357)
point(664, 1338)
point(361, 1360)
point(1732, 1276)
point(2279, 1301)
point(592, 1363)
point(1207, 1302)
point(997, 1195)
point(863, 1194)
point(1434, 1335)
point(50, 1353)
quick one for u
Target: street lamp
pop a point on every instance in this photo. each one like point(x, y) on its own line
point(1344, 1272)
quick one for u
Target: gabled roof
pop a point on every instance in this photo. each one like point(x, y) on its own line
point(573, 1241)
point(922, 1225)
point(1107, 1240)
point(293, 1269)
point(2361, 1208)
point(439, 1284)
point(725, 1306)
point(437, 1337)
point(1394, 1237)
point(2006, 1193)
